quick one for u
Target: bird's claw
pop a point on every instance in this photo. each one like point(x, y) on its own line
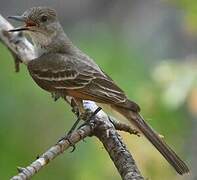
point(71, 144)
point(67, 138)
point(88, 115)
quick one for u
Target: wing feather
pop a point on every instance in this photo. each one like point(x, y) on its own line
point(60, 73)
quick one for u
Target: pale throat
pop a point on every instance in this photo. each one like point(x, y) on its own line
point(41, 42)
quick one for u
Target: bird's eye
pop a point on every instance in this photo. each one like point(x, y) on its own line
point(44, 18)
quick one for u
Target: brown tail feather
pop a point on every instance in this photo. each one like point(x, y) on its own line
point(153, 137)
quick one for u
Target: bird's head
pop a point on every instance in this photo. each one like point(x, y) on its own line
point(40, 23)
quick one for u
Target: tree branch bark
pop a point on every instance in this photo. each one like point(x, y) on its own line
point(53, 152)
point(100, 125)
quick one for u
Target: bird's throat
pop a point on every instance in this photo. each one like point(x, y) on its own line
point(41, 42)
point(57, 42)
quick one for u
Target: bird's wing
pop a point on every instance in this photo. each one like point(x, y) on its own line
point(59, 73)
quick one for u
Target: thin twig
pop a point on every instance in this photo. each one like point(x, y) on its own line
point(53, 152)
point(124, 127)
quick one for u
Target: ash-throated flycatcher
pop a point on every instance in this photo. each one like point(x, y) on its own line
point(63, 69)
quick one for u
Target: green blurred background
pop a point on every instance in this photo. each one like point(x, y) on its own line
point(149, 47)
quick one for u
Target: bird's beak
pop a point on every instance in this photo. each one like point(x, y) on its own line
point(19, 29)
point(21, 19)
point(17, 18)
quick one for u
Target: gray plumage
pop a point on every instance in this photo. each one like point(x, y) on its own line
point(63, 69)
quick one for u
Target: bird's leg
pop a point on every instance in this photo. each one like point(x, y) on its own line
point(86, 115)
point(89, 115)
point(77, 108)
point(82, 114)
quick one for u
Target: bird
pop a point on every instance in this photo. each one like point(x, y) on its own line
point(64, 70)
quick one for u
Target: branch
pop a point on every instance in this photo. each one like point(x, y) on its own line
point(103, 128)
point(53, 152)
point(124, 127)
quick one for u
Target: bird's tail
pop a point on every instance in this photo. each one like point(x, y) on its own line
point(137, 120)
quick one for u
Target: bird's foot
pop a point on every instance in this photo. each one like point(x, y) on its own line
point(85, 115)
point(67, 135)
point(88, 115)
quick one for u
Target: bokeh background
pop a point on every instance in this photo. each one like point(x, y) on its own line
point(149, 47)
